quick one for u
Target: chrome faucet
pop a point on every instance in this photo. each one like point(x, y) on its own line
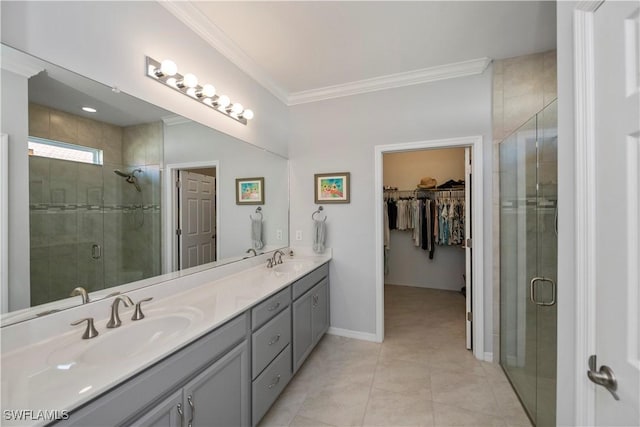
point(82, 292)
point(251, 250)
point(114, 320)
point(273, 260)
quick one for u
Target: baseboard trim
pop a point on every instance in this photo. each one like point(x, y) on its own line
point(348, 333)
point(488, 356)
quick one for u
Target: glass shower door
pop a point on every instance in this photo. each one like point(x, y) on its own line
point(547, 256)
point(528, 263)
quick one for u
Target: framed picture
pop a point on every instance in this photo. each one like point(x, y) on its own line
point(249, 191)
point(332, 187)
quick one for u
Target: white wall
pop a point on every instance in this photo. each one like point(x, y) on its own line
point(410, 265)
point(15, 124)
point(567, 357)
point(107, 41)
point(192, 142)
point(340, 135)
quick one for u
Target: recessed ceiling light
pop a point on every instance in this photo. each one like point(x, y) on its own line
point(89, 110)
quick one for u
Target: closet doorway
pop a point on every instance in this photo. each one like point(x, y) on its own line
point(434, 234)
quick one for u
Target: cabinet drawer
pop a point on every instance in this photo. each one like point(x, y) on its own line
point(264, 311)
point(307, 282)
point(268, 386)
point(269, 340)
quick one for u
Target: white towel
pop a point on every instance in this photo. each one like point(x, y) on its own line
point(319, 235)
point(256, 233)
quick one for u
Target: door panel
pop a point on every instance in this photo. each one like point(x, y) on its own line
point(617, 220)
point(197, 219)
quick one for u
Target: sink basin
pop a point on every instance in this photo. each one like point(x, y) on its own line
point(292, 266)
point(131, 340)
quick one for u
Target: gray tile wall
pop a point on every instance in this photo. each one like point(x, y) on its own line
point(74, 206)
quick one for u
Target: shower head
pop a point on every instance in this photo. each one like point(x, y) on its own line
point(130, 178)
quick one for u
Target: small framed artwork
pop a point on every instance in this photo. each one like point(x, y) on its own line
point(332, 187)
point(250, 191)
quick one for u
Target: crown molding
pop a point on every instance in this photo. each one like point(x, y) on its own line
point(197, 21)
point(174, 120)
point(20, 63)
point(390, 81)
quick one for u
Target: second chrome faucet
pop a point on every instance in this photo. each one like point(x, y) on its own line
point(114, 320)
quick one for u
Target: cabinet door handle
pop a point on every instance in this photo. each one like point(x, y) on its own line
point(315, 300)
point(193, 410)
point(274, 307)
point(274, 339)
point(181, 412)
point(275, 382)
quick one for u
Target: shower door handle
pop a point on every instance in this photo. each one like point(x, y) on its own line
point(532, 291)
point(96, 251)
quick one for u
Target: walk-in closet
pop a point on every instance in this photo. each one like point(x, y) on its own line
point(426, 225)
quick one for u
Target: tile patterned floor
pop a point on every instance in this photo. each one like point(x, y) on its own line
point(421, 375)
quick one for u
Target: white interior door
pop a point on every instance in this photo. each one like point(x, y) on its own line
point(467, 251)
point(617, 219)
point(197, 221)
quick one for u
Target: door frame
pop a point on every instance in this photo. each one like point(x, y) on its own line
point(585, 208)
point(4, 222)
point(475, 142)
point(170, 202)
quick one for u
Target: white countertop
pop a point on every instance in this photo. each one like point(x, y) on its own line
point(42, 376)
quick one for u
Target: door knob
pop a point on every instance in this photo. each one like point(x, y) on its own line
point(603, 376)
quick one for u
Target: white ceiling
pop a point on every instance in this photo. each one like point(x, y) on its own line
point(303, 46)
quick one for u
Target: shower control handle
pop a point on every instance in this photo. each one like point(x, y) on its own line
point(96, 251)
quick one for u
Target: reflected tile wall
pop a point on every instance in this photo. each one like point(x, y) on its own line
point(75, 206)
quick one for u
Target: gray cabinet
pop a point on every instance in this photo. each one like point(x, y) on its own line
point(168, 413)
point(219, 396)
point(310, 321)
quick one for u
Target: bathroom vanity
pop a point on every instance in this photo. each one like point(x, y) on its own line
point(217, 354)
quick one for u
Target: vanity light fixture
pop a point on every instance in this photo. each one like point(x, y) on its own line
point(166, 72)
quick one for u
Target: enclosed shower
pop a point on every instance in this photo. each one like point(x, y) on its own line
point(528, 263)
point(95, 225)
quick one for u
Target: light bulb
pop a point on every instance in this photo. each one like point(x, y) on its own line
point(191, 91)
point(224, 101)
point(190, 80)
point(172, 82)
point(208, 90)
point(208, 101)
point(247, 114)
point(168, 67)
point(237, 108)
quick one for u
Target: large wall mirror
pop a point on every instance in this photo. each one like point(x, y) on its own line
point(123, 196)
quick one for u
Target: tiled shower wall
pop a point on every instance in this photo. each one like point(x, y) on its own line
point(74, 206)
point(522, 86)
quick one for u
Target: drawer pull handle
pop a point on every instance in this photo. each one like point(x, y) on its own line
point(274, 307)
point(275, 382)
point(274, 339)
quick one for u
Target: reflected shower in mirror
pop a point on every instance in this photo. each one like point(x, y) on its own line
point(103, 205)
